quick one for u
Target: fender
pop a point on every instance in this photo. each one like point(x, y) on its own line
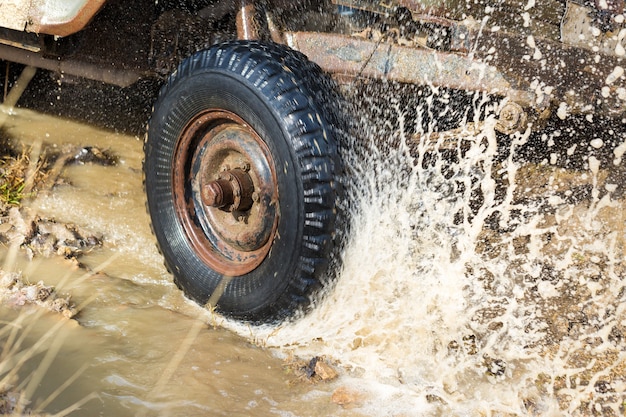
point(52, 17)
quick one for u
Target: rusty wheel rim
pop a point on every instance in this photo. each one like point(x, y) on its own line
point(225, 192)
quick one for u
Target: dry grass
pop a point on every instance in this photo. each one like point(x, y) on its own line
point(16, 391)
point(20, 173)
point(12, 180)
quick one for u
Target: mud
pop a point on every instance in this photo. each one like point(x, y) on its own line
point(142, 347)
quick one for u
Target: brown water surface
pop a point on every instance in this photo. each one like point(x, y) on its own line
point(138, 344)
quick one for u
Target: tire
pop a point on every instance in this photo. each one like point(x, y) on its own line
point(240, 165)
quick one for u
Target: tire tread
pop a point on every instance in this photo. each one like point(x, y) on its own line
point(292, 82)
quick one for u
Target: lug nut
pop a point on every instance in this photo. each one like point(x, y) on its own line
point(233, 189)
point(217, 194)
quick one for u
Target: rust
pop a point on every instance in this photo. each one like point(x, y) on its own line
point(218, 194)
point(232, 191)
point(225, 192)
point(116, 76)
point(564, 74)
point(354, 57)
point(501, 64)
point(247, 26)
point(275, 33)
point(512, 118)
point(38, 24)
point(551, 66)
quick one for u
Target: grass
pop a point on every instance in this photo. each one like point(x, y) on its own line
point(16, 391)
point(18, 174)
point(21, 343)
point(11, 190)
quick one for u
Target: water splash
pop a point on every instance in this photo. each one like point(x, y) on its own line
point(476, 280)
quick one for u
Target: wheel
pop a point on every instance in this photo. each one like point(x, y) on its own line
point(240, 165)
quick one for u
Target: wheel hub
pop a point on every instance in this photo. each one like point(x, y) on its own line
point(226, 192)
point(232, 191)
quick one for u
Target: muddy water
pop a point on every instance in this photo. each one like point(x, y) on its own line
point(137, 344)
point(489, 285)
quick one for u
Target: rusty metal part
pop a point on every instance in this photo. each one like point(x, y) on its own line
point(218, 193)
point(275, 33)
point(232, 191)
point(225, 192)
point(247, 25)
point(354, 57)
point(556, 74)
point(41, 20)
point(433, 7)
point(562, 61)
point(502, 64)
point(116, 76)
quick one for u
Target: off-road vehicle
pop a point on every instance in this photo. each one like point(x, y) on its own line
point(241, 161)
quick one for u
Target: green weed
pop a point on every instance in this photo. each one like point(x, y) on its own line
point(12, 190)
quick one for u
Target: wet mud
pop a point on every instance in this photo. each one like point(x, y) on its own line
point(81, 277)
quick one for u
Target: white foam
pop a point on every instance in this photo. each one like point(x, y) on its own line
point(425, 319)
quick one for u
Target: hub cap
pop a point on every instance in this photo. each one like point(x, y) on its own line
point(225, 192)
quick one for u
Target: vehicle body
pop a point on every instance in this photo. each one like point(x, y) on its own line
point(555, 59)
point(502, 47)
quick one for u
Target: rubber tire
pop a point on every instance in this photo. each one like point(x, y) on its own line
point(277, 92)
